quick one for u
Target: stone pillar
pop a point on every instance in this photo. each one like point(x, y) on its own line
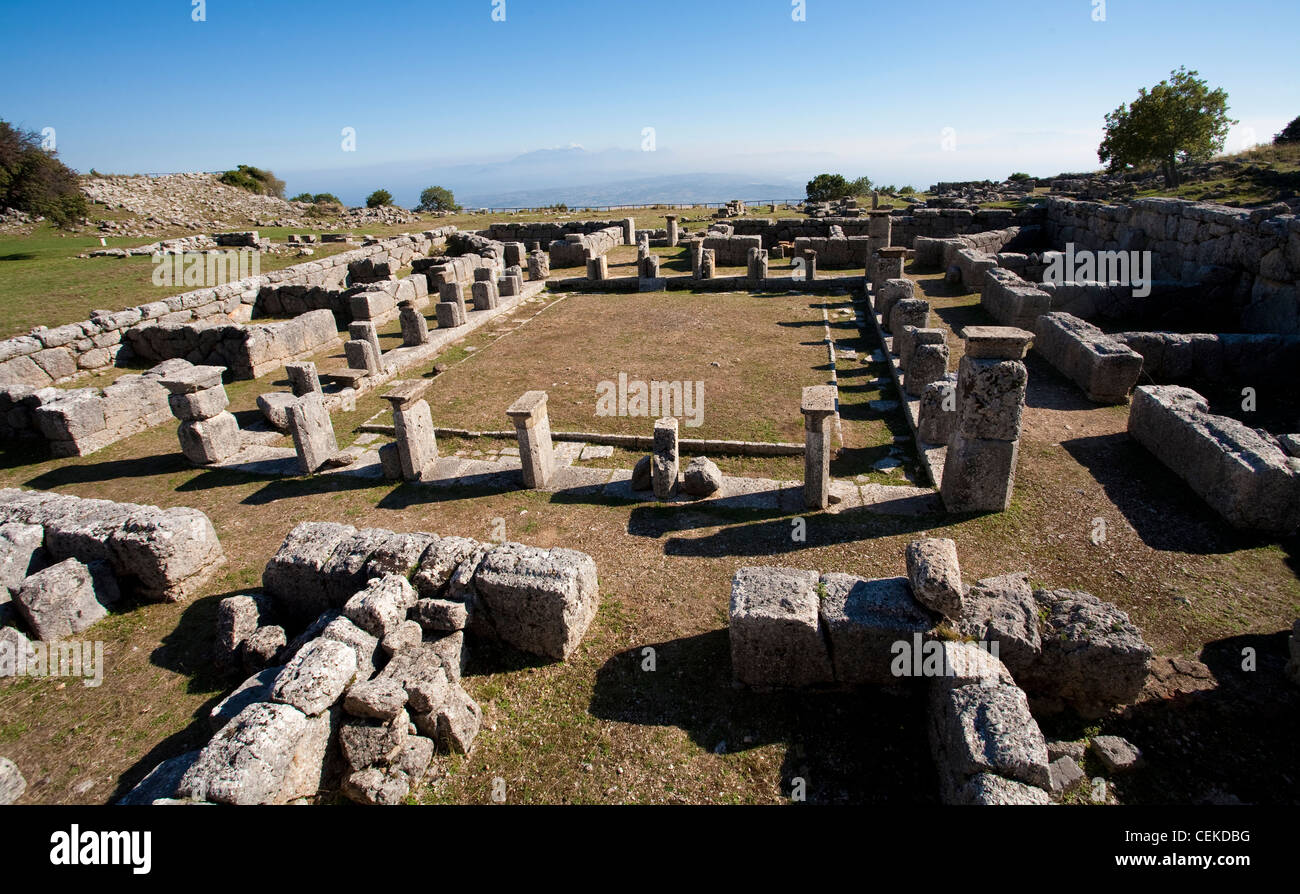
point(539, 266)
point(513, 282)
point(979, 470)
point(664, 459)
point(598, 268)
point(889, 293)
point(485, 294)
point(450, 314)
point(366, 331)
point(929, 363)
point(696, 248)
point(757, 265)
point(313, 433)
point(810, 265)
point(417, 445)
point(415, 329)
point(707, 264)
point(302, 378)
point(818, 408)
point(875, 200)
point(907, 312)
point(650, 267)
point(888, 265)
point(937, 415)
point(485, 274)
point(671, 223)
point(452, 291)
point(514, 254)
point(879, 224)
point(906, 342)
point(208, 434)
point(642, 244)
point(533, 428)
point(629, 231)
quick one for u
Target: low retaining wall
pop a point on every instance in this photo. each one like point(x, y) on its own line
point(247, 351)
point(164, 554)
point(572, 251)
point(1243, 475)
point(1170, 357)
point(732, 251)
point(54, 355)
point(1105, 368)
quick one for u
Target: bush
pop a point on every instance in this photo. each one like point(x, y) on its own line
point(1290, 133)
point(379, 198)
point(35, 181)
point(907, 191)
point(826, 187)
point(437, 198)
point(1018, 176)
point(255, 180)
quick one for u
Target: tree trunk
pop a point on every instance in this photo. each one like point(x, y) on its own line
point(1171, 172)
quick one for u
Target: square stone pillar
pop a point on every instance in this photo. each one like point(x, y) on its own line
point(598, 268)
point(650, 267)
point(887, 293)
point(671, 222)
point(415, 329)
point(979, 469)
point(486, 274)
point(366, 331)
point(302, 378)
point(756, 270)
point(485, 293)
point(514, 254)
point(696, 248)
point(907, 312)
point(417, 444)
point(888, 264)
point(313, 433)
point(818, 408)
point(810, 265)
point(539, 266)
point(450, 314)
point(629, 231)
point(879, 224)
point(452, 291)
point(665, 458)
point(208, 433)
point(533, 428)
point(361, 354)
point(708, 265)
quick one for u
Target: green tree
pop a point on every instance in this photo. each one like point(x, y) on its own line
point(437, 198)
point(32, 179)
point(860, 187)
point(379, 198)
point(1018, 176)
point(1178, 120)
point(325, 198)
point(826, 187)
point(1290, 133)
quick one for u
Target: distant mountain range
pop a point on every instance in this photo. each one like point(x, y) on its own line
point(570, 175)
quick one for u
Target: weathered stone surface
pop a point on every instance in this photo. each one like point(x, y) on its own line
point(270, 754)
point(21, 553)
point(928, 363)
point(193, 406)
point(66, 598)
point(1243, 475)
point(1002, 611)
point(440, 614)
point(997, 342)
point(293, 576)
point(399, 554)
point(439, 563)
point(989, 789)
point(382, 606)
point(263, 648)
point(256, 688)
point(190, 379)
point(381, 699)
point(12, 784)
point(537, 600)
point(416, 757)
point(316, 677)
point(937, 414)
point(774, 628)
point(979, 474)
point(238, 618)
point(458, 721)
point(1116, 754)
point(364, 645)
point(1092, 658)
point(417, 444)
point(664, 459)
point(404, 636)
point(313, 433)
point(368, 743)
point(935, 575)
point(701, 477)
point(207, 441)
point(986, 729)
point(1065, 774)
point(162, 781)
point(642, 477)
point(302, 378)
point(1102, 366)
point(990, 398)
point(275, 408)
point(862, 620)
point(168, 553)
point(375, 787)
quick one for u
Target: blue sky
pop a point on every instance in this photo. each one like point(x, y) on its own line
point(728, 85)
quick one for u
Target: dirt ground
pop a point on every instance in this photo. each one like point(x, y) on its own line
point(602, 727)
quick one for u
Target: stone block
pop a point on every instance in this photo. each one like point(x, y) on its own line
point(774, 627)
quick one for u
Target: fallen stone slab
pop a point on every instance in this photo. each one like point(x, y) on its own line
point(66, 598)
point(774, 628)
point(1117, 754)
point(1002, 612)
point(537, 600)
point(863, 620)
point(316, 677)
point(162, 781)
point(935, 575)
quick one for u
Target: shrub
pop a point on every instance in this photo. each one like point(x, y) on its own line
point(255, 180)
point(1290, 133)
point(1018, 176)
point(379, 198)
point(825, 187)
point(33, 179)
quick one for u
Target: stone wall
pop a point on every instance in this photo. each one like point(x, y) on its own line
point(544, 232)
point(1242, 473)
point(574, 249)
point(46, 356)
point(1255, 253)
point(162, 554)
point(1234, 359)
point(247, 351)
